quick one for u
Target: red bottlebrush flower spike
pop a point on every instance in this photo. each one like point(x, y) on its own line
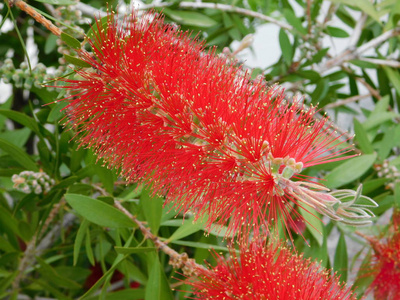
point(165, 112)
point(385, 264)
point(267, 272)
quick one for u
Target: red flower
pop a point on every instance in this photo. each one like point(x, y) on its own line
point(165, 112)
point(385, 264)
point(267, 272)
point(96, 272)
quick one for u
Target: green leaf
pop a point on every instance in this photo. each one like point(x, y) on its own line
point(21, 118)
point(313, 223)
point(152, 209)
point(50, 44)
point(340, 265)
point(45, 95)
point(99, 282)
point(394, 78)
point(377, 119)
point(316, 6)
point(350, 170)
point(189, 226)
point(157, 287)
point(234, 32)
point(397, 195)
point(316, 57)
point(19, 155)
point(286, 47)
point(25, 230)
point(70, 41)
point(48, 287)
point(6, 245)
point(66, 182)
point(364, 5)
point(371, 185)
point(56, 112)
point(17, 137)
point(79, 239)
point(8, 222)
point(52, 276)
point(309, 74)
point(99, 212)
point(293, 20)
point(127, 294)
point(131, 250)
point(76, 61)
point(336, 32)
point(191, 18)
point(390, 140)
point(58, 2)
point(363, 64)
point(106, 176)
point(320, 91)
point(362, 138)
point(200, 245)
point(88, 247)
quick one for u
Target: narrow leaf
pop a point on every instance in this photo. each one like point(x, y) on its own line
point(393, 76)
point(152, 209)
point(88, 247)
point(190, 18)
point(99, 282)
point(189, 226)
point(341, 261)
point(52, 276)
point(98, 212)
point(76, 61)
point(157, 287)
point(362, 137)
point(336, 32)
point(21, 118)
point(313, 223)
point(286, 47)
point(19, 155)
point(131, 250)
point(70, 41)
point(294, 21)
point(78, 240)
point(350, 170)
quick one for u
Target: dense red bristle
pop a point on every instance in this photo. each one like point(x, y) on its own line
point(166, 112)
point(385, 264)
point(266, 272)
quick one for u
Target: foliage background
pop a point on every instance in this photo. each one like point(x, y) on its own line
point(50, 244)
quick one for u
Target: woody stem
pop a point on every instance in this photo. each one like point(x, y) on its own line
point(179, 261)
point(37, 16)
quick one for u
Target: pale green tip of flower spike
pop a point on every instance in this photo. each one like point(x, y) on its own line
point(346, 206)
point(354, 207)
point(29, 181)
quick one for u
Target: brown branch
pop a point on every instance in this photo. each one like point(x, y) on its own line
point(30, 252)
point(370, 89)
point(346, 101)
point(309, 25)
point(37, 16)
point(88, 10)
point(188, 265)
point(353, 53)
point(179, 261)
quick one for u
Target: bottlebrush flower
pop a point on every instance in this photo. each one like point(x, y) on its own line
point(384, 266)
point(267, 272)
point(164, 111)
